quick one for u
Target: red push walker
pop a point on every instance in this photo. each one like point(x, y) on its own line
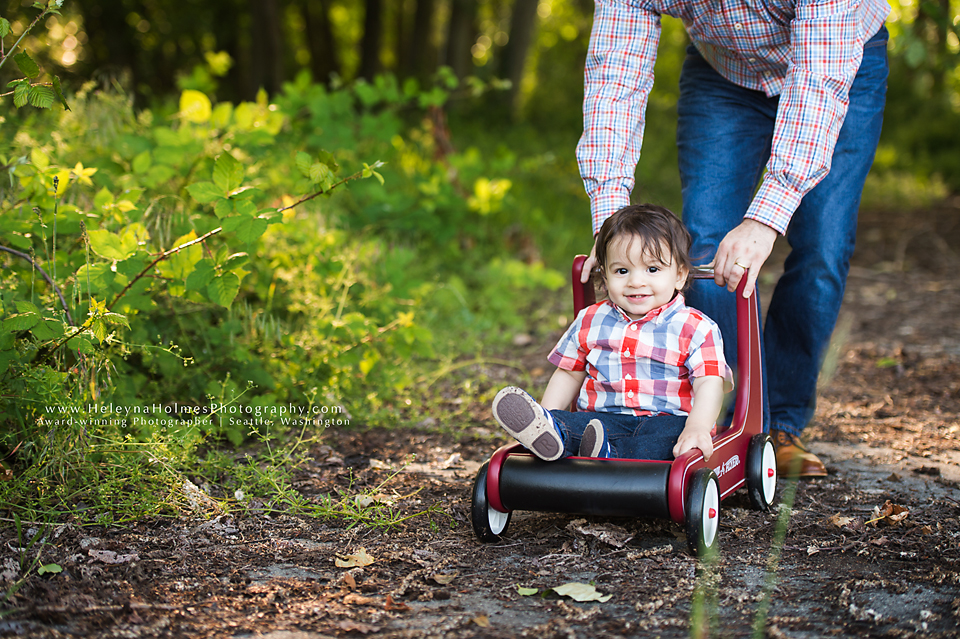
point(686, 490)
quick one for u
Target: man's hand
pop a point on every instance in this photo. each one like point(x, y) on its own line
point(745, 248)
point(589, 264)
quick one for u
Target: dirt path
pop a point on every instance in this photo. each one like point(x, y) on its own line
point(871, 550)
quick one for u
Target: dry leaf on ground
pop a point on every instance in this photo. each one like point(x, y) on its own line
point(359, 558)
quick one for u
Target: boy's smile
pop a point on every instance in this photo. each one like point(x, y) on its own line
point(636, 280)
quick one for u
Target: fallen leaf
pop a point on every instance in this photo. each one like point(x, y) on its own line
point(395, 605)
point(840, 522)
point(358, 600)
point(526, 592)
point(445, 578)
point(581, 592)
point(890, 514)
point(607, 533)
point(359, 558)
point(482, 621)
point(363, 628)
point(350, 582)
point(882, 541)
point(110, 557)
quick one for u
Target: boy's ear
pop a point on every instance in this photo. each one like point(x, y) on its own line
point(682, 274)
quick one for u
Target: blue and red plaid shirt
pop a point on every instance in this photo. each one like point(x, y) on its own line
point(645, 366)
point(805, 51)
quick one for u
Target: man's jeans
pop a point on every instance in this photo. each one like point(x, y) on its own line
point(724, 134)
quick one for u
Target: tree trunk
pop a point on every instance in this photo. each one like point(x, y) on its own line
point(461, 35)
point(372, 40)
point(422, 55)
point(265, 43)
point(320, 40)
point(522, 24)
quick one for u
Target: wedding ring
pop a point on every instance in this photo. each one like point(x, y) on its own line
point(741, 266)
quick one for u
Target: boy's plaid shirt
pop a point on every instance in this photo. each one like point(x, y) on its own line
point(805, 51)
point(645, 366)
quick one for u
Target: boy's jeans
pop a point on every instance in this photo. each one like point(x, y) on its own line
point(630, 437)
point(723, 137)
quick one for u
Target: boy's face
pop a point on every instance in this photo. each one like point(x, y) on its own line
point(636, 280)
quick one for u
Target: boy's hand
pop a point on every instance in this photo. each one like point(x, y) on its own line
point(694, 437)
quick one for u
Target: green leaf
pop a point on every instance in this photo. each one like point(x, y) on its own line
point(205, 192)
point(4, 27)
point(303, 163)
point(48, 329)
point(99, 329)
point(59, 91)
point(21, 94)
point(142, 163)
point(327, 158)
point(116, 318)
point(195, 106)
point(41, 97)
point(181, 264)
point(223, 207)
point(20, 322)
point(201, 275)
point(227, 172)
point(112, 246)
point(49, 568)
point(27, 65)
point(24, 306)
point(247, 228)
point(223, 289)
point(81, 343)
point(526, 592)
point(321, 175)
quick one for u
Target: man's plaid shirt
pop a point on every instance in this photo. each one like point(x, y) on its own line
point(645, 366)
point(805, 51)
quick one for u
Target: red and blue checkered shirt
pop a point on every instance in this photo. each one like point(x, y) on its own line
point(645, 366)
point(805, 51)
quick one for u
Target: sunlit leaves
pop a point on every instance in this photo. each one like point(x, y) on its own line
point(4, 27)
point(27, 65)
point(223, 289)
point(205, 192)
point(195, 106)
point(246, 227)
point(227, 173)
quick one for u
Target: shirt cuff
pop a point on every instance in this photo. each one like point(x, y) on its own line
point(774, 205)
point(606, 201)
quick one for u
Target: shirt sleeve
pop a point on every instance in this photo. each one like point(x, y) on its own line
point(569, 354)
point(617, 81)
point(826, 51)
point(705, 354)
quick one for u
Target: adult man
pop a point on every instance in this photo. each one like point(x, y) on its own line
point(784, 94)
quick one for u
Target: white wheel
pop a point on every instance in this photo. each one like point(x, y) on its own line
point(488, 523)
point(761, 471)
point(703, 512)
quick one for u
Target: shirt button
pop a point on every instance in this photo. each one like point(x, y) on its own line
point(627, 377)
point(630, 394)
point(633, 327)
point(738, 26)
point(626, 353)
point(751, 59)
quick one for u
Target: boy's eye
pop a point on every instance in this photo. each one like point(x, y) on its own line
point(653, 269)
point(621, 271)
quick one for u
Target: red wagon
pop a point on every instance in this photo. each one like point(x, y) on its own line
point(686, 490)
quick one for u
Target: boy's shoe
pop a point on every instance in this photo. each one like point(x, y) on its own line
point(528, 422)
point(593, 442)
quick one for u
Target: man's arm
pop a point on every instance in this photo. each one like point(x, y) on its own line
point(826, 52)
point(617, 81)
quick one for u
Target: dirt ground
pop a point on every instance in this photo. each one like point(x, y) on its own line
point(871, 550)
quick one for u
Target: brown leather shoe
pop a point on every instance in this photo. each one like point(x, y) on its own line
point(793, 460)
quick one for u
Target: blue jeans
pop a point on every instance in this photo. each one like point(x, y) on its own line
point(630, 437)
point(724, 134)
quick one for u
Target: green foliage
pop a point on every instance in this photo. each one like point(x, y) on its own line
point(191, 278)
point(26, 90)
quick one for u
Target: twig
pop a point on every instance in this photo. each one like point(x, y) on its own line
point(45, 276)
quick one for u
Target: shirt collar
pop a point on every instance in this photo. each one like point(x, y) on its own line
point(657, 315)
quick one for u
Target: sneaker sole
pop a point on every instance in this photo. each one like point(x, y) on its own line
point(590, 443)
point(520, 416)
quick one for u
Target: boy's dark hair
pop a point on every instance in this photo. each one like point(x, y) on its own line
point(657, 228)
